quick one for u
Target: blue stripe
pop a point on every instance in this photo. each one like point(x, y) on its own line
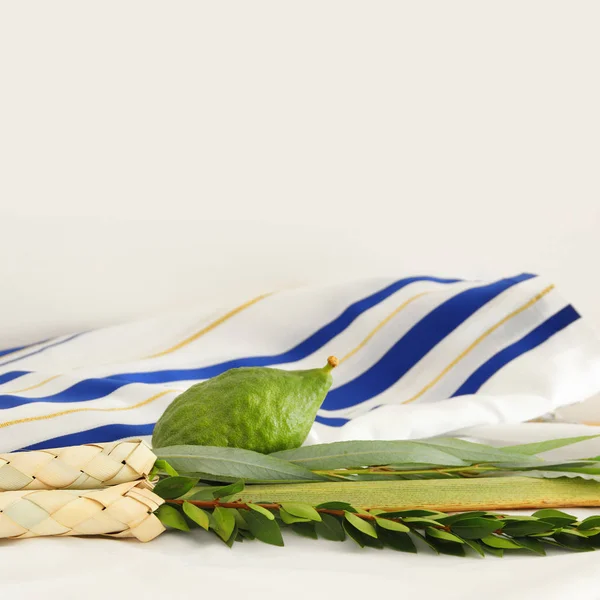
point(6, 377)
point(538, 336)
point(8, 362)
point(332, 421)
point(11, 350)
point(106, 433)
point(90, 389)
point(416, 343)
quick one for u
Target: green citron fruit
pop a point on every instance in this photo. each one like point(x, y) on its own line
point(256, 408)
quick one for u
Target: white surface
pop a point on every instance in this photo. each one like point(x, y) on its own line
point(183, 565)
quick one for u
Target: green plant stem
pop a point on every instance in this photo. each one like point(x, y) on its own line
point(467, 471)
point(210, 504)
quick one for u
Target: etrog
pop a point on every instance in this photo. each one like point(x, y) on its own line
point(256, 408)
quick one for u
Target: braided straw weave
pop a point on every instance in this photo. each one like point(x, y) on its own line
point(77, 467)
point(123, 510)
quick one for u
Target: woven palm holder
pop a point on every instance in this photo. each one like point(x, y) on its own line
point(124, 510)
point(90, 466)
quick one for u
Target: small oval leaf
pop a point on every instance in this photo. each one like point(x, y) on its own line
point(196, 514)
point(224, 522)
point(174, 487)
point(171, 517)
point(260, 509)
point(392, 525)
point(302, 510)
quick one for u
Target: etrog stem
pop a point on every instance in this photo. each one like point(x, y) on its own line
point(332, 363)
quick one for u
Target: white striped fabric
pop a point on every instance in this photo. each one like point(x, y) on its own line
point(495, 352)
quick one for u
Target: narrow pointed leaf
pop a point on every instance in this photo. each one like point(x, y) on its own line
point(305, 530)
point(475, 546)
point(397, 541)
point(531, 544)
point(288, 519)
point(475, 528)
point(229, 490)
point(443, 535)
point(361, 524)
point(361, 538)
point(545, 446)
point(392, 525)
point(556, 517)
point(590, 523)
point(234, 463)
point(494, 541)
point(336, 506)
point(262, 510)
point(330, 528)
point(526, 527)
point(344, 455)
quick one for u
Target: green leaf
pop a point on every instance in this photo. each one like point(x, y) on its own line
point(229, 490)
point(224, 522)
point(590, 523)
point(472, 452)
point(556, 517)
point(495, 541)
point(440, 534)
point(203, 494)
point(171, 517)
point(416, 512)
point(162, 466)
point(196, 514)
point(444, 547)
point(475, 546)
point(425, 540)
point(289, 519)
point(475, 528)
point(260, 509)
point(330, 528)
point(420, 522)
point(235, 464)
point(344, 455)
point(532, 545)
point(337, 506)
point(302, 510)
point(397, 541)
point(361, 524)
point(306, 530)
point(545, 446)
point(451, 519)
point(392, 525)
point(573, 542)
point(233, 537)
point(240, 522)
point(246, 534)
point(174, 487)
point(494, 551)
point(265, 529)
point(361, 538)
point(525, 527)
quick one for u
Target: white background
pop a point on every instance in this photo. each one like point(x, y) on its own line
point(154, 154)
